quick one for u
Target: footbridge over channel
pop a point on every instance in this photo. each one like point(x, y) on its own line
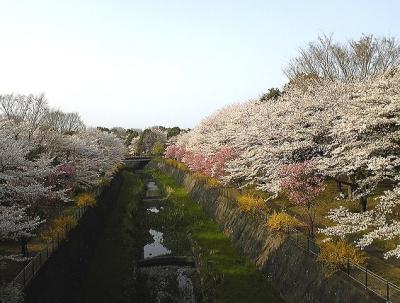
point(137, 162)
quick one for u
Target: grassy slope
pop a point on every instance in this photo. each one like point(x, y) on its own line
point(240, 280)
point(109, 279)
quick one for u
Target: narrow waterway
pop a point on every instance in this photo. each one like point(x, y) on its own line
point(161, 281)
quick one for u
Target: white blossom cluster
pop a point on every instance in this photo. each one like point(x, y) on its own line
point(351, 130)
point(381, 222)
point(44, 155)
point(15, 223)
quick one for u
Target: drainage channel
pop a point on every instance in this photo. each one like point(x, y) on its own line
point(166, 270)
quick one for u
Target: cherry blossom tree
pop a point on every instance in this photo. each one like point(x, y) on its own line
point(92, 154)
point(380, 223)
point(303, 186)
point(21, 178)
point(16, 224)
point(364, 137)
point(350, 130)
point(212, 166)
point(44, 155)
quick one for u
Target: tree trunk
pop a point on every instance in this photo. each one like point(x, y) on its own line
point(24, 247)
point(340, 189)
point(350, 190)
point(311, 223)
point(339, 186)
point(363, 203)
point(312, 230)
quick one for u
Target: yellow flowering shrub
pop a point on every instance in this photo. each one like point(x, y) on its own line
point(58, 227)
point(334, 255)
point(199, 176)
point(87, 199)
point(249, 203)
point(213, 182)
point(118, 167)
point(252, 190)
point(282, 221)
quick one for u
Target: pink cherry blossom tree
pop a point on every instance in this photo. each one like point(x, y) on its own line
point(302, 186)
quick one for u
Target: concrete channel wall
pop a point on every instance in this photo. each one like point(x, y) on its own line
point(62, 277)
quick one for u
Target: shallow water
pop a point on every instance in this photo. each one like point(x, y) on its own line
point(154, 210)
point(152, 189)
point(168, 283)
point(156, 248)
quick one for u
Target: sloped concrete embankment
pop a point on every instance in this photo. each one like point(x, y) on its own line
point(62, 277)
point(293, 272)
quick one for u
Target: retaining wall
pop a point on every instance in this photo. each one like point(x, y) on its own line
point(62, 278)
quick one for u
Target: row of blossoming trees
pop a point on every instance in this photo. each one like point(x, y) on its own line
point(345, 131)
point(45, 156)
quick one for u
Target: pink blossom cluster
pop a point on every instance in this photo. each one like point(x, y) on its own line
point(213, 166)
point(175, 152)
point(301, 183)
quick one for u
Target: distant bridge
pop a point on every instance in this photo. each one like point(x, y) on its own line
point(137, 162)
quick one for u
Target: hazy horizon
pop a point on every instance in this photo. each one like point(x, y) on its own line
point(136, 64)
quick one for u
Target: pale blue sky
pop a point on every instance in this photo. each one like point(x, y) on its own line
point(143, 63)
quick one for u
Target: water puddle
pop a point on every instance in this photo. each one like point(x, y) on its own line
point(153, 210)
point(152, 189)
point(156, 248)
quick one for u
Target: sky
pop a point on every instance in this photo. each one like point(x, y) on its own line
point(142, 63)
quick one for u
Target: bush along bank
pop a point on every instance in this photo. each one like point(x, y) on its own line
point(293, 271)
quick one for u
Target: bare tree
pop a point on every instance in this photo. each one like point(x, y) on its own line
point(65, 123)
point(355, 59)
point(30, 110)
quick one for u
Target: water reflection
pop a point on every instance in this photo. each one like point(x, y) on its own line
point(154, 210)
point(152, 189)
point(156, 248)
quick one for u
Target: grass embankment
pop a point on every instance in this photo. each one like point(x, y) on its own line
point(110, 275)
point(236, 278)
